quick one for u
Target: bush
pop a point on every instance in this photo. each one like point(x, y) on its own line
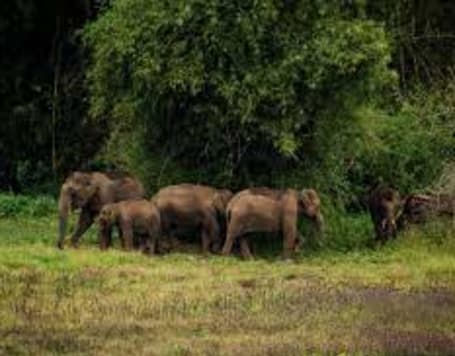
point(20, 205)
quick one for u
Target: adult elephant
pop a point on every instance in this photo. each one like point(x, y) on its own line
point(191, 207)
point(90, 191)
point(270, 210)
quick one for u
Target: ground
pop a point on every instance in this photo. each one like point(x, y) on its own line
point(394, 300)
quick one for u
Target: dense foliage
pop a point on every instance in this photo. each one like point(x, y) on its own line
point(335, 94)
point(235, 87)
point(41, 87)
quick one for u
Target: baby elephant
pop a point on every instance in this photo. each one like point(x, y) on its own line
point(140, 217)
point(384, 205)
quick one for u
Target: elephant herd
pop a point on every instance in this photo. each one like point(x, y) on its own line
point(218, 216)
point(221, 218)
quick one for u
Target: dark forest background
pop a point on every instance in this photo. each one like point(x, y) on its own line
point(338, 95)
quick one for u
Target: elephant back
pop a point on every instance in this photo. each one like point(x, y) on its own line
point(127, 188)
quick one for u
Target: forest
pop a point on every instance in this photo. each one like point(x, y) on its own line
point(339, 96)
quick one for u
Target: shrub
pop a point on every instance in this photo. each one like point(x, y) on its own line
point(408, 147)
point(20, 205)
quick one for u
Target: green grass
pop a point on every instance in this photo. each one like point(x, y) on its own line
point(397, 299)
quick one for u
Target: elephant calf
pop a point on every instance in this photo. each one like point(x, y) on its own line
point(130, 217)
point(384, 205)
point(268, 210)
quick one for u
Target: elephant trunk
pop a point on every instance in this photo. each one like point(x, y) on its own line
point(64, 206)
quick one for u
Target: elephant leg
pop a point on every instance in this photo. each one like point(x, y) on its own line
point(379, 235)
point(210, 232)
point(205, 242)
point(150, 242)
point(394, 231)
point(120, 237)
point(104, 238)
point(245, 248)
point(289, 239)
point(128, 235)
point(391, 228)
point(288, 246)
point(216, 245)
point(377, 229)
point(289, 226)
point(230, 238)
point(299, 243)
point(385, 231)
point(86, 219)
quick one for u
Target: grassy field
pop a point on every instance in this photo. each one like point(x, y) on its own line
point(399, 299)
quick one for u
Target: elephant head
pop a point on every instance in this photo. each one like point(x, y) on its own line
point(309, 205)
point(75, 193)
point(106, 216)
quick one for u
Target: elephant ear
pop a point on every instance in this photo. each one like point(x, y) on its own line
point(105, 216)
point(109, 214)
point(310, 206)
point(309, 202)
point(221, 200)
point(89, 193)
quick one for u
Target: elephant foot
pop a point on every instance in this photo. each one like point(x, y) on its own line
point(287, 260)
point(248, 257)
point(287, 256)
point(225, 253)
point(216, 248)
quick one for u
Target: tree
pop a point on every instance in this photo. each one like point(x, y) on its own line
point(44, 130)
point(232, 86)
